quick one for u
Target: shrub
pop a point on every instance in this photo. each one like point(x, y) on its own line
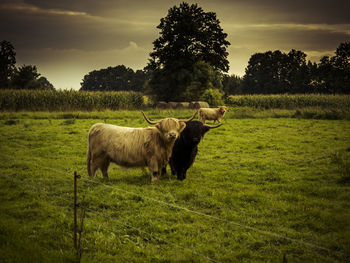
point(213, 97)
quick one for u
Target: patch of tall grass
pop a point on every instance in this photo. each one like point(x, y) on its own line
point(342, 160)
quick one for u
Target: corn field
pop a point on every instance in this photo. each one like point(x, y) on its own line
point(339, 102)
point(71, 100)
point(68, 100)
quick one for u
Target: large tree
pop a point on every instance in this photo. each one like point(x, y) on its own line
point(332, 74)
point(188, 37)
point(27, 77)
point(277, 72)
point(7, 63)
point(232, 85)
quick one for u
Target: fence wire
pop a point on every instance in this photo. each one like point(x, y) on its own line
point(264, 232)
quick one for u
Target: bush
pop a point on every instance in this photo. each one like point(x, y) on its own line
point(213, 97)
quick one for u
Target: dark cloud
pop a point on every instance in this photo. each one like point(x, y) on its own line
point(277, 11)
point(46, 30)
point(286, 37)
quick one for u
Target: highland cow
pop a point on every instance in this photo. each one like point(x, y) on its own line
point(215, 114)
point(186, 147)
point(133, 147)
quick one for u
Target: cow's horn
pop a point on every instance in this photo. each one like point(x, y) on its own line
point(212, 127)
point(150, 122)
point(190, 119)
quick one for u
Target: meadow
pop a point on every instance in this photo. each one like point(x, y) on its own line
point(265, 187)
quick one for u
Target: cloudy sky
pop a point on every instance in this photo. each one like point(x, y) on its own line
point(66, 39)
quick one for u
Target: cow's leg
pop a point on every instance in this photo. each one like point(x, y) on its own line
point(93, 168)
point(104, 167)
point(181, 174)
point(144, 172)
point(163, 170)
point(154, 177)
point(172, 167)
point(153, 170)
point(96, 162)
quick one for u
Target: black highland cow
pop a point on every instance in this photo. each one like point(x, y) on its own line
point(186, 147)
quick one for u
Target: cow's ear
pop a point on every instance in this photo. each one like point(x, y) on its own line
point(206, 128)
point(182, 126)
point(158, 126)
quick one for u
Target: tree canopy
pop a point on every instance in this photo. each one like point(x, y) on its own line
point(7, 63)
point(278, 72)
point(189, 38)
point(27, 77)
point(114, 79)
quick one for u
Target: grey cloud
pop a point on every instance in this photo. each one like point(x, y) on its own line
point(70, 32)
point(277, 11)
point(287, 38)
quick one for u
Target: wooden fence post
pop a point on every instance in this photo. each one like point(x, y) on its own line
point(76, 176)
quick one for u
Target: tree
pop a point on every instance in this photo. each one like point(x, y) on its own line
point(44, 84)
point(332, 74)
point(203, 77)
point(7, 63)
point(342, 68)
point(24, 76)
point(298, 77)
point(188, 36)
point(27, 77)
point(114, 79)
point(232, 85)
point(277, 72)
point(264, 73)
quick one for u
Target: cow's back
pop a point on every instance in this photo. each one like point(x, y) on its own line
point(125, 146)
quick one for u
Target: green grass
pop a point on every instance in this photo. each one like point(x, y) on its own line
point(260, 188)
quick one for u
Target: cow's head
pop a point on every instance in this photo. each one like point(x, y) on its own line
point(169, 128)
point(194, 132)
point(223, 109)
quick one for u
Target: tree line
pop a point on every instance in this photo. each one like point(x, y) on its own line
point(23, 77)
point(189, 62)
point(277, 72)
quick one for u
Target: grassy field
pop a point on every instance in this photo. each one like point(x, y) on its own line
point(261, 189)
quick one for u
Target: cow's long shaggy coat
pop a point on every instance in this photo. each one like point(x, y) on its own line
point(186, 147)
point(214, 114)
point(133, 147)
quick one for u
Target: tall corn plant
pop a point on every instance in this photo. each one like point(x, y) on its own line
point(65, 100)
point(286, 101)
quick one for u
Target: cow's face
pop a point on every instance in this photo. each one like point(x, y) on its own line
point(170, 128)
point(223, 109)
point(194, 132)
